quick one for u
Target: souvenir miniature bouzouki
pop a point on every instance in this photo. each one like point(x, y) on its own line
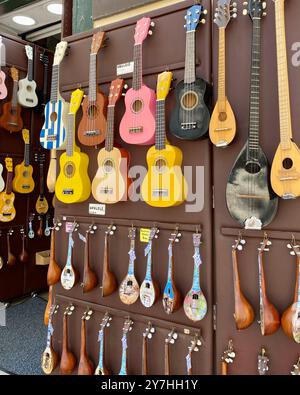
point(7, 197)
point(85, 366)
point(170, 339)
point(27, 86)
point(109, 281)
point(48, 306)
point(227, 358)
point(101, 369)
point(124, 362)
point(50, 357)
point(54, 271)
point(193, 347)
point(69, 274)
point(3, 88)
point(68, 360)
point(90, 279)
point(23, 181)
point(41, 205)
point(24, 256)
point(147, 335)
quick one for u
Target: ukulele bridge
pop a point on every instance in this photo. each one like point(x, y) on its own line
point(253, 223)
point(188, 125)
point(68, 192)
point(92, 133)
point(136, 129)
point(106, 190)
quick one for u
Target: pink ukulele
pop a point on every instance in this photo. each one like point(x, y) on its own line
point(138, 123)
point(3, 89)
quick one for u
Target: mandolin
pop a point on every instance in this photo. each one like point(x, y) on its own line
point(164, 184)
point(269, 316)
point(7, 197)
point(172, 298)
point(41, 204)
point(90, 279)
point(3, 88)
point(49, 356)
point(73, 184)
point(54, 271)
point(68, 360)
point(86, 366)
point(109, 281)
point(124, 361)
point(296, 369)
point(48, 306)
point(53, 132)
point(111, 180)
point(222, 127)
point(129, 290)
point(11, 119)
point(262, 362)
point(24, 256)
point(138, 123)
point(69, 274)
point(27, 96)
point(170, 339)
point(250, 199)
point(101, 369)
point(149, 290)
point(11, 259)
point(91, 129)
point(195, 305)
point(23, 181)
point(227, 358)
point(290, 320)
point(243, 311)
point(147, 335)
point(190, 117)
point(285, 171)
point(193, 347)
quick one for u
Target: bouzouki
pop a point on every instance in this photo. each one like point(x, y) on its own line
point(111, 180)
point(171, 296)
point(243, 311)
point(147, 335)
point(124, 360)
point(68, 360)
point(23, 181)
point(262, 362)
point(269, 316)
point(73, 184)
point(138, 123)
point(129, 290)
point(48, 306)
point(85, 366)
point(164, 184)
point(53, 132)
point(190, 117)
point(91, 130)
point(90, 279)
point(109, 281)
point(24, 256)
point(249, 197)
point(227, 358)
point(193, 347)
point(27, 96)
point(222, 127)
point(41, 205)
point(3, 88)
point(296, 369)
point(195, 304)
point(285, 171)
point(101, 369)
point(149, 290)
point(11, 259)
point(69, 274)
point(290, 320)
point(7, 197)
point(54, 271)
point(49, 356)
point(170, 339)
point(11, 119)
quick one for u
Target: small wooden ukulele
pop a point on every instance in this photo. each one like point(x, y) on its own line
point(23, 181)
point(109, 281)
point(171, 297)
point(68, 360)
point(222, 128)
point(92, 128)
point(69, 274)
point(11, 259)
point(90, 279)
point(49, 356)
point(193, 347)
point(124, 361)
point(129, 290)
point(195, 304)
point(101, 369)
point(149, 290)
point(41, 205)
point(3, 88)
point(227, 358)
point(170, 339)
point(147, 335)
point(86, 366)
point(7, 197)
point(27, 96)
point(24, 256)
point(54, 271)
point(296, 369)
point(11, 119)
point(262, 362)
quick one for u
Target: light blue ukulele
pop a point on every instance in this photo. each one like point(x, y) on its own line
point(69, 275)
point(195, 305)
point(126, 328)
point(101, 369)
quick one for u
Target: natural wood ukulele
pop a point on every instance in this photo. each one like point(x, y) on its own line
point(101, 369)
point(68, 360)
point(147, 335)
point(50, 356)
point(27, 96)
point(109, 281)
point(3, 88)
point(11, 259)
point(86, 366)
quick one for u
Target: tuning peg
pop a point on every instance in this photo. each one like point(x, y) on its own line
point(216, 15)
point(240, 248)
point(245, 3)
point(175, 335)
point(264, 14)
point(245, 12)
point(292, 253)
point(149, 336)
point(269, 243)
point(152, 24)
point(150, 32)
point(243, 241)
point(204, 12)
point(196, 349)
point(114, 227)
point(234, 4)
point(203, 21)
point(125, 87)
point(199, 343)
point(264, 5)
point(189, 13)
point(95, 227)
point(185, 17)
point(152, 330)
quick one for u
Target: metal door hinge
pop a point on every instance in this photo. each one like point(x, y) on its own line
point(215, 317)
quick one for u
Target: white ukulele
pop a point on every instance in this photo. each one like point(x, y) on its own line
point(27, 96)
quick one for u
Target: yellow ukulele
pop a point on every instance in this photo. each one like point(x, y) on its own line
point(7, 197)
point(23, 181)
point(164, 184)
point(73, 184)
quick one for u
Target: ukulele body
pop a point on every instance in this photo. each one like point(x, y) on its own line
point(11, 119)
point(92, 127)
point(222, 127)
point(49, 360)
point(23, 181)
point(250, 195)
point(129, 290)
point(190, 117)
point(138, 123)
point(3, 89)
point(27, 96)
point(7, 209)
point(53, 133)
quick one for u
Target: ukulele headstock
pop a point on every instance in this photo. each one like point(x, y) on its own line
point(60, 52)
point(10, 232)
point(265, 244)
point(262, 363)
point(110, 231)
point(239, 243)
point(106, 321)
point(224, 12)
point(87, 314)
point(127, 327)
point(9, 164)
point(164, 81)
point(57, 224)
point(296, 369)
point(294, 247)
point(195, 344)
point(171, 337)
point(97, 42)
point(196, 240)
point(255, 9)
point(229, 354)
point(193, 17)
point(69, 309)
point(142, 30)
point(115, 91)
point(149, 331)
point(14, 74)
point(29, 51)
point(40, 157)
point(26, 136)
point(76, 99)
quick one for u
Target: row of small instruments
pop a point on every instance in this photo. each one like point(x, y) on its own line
point(194, 303)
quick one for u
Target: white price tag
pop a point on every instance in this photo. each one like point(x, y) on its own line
point(97, 209)
point(125, 68)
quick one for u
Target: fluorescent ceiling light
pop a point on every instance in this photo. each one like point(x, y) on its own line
point(23, 20)
point(55, 8)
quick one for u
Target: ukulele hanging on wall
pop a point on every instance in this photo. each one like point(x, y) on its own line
point(49, 356)
point(124, 361)
point(85, 366)
point(193, 347)
point(23, 181)
point(7, 197)
point(68, 360)
point(190, 117)
point(3, 88)
point(43, 93)
point(109, 281)
point(147, 335)
point(41, 205)
point(69, 274)
point(101, 369)
point(222, 127)
point(170, 339)
point(27, 86)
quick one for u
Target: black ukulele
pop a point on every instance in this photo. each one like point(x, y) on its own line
point(250, 199)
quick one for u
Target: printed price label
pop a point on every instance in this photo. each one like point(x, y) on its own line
point(125, 68)
point(145, 235)
point(97, 209)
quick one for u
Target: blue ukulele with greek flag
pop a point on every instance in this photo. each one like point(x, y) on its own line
point(53, 133)
point(69, 275)
point(195, 305)
point(101, 369)
point(124, 364)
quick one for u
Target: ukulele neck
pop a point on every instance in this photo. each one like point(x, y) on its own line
point(109, 141)
point(30, 70)
point(9, 180)
point(149, 263)
point(42, 192)
point(55, 84)
point(190, 58)
point(70, 135)
point(93, 78)
point(189, 363)
point(27, 155)
point(221, 71)
point(45, 84)
point(138, 67)
point(160, 130)
point(49, 332)
point(83, 338)
point(145, 357)
point(171, 262)
point(101, 350)
point(14, 101)
point(167, 359)
point(70, 249)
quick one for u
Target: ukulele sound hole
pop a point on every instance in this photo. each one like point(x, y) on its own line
point(53, 117)
point(25, 174)
point(69, 170)
point(7, 202)
point(252, 168)
point(108, 166)
point(92, 111)
point(222, 116)
point(137, 106)
point(189, 101)
point(160, 166)
point(29, 88)
point(287, 163)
